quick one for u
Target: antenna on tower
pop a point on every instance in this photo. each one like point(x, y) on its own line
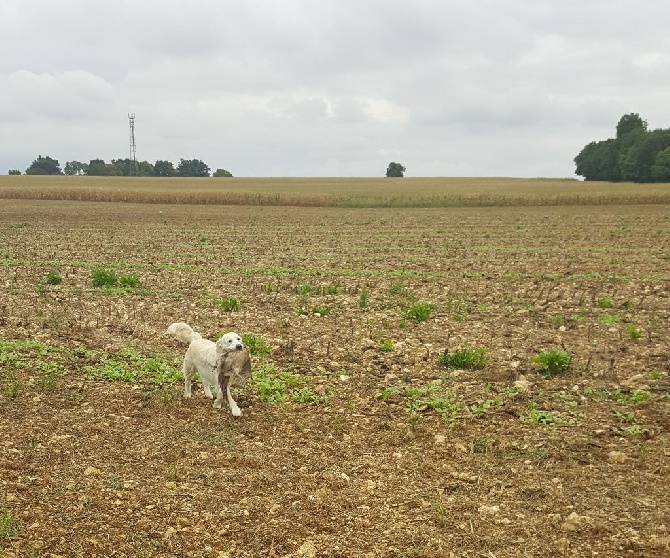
point(134, 170)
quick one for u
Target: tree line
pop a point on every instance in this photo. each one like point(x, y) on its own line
point(121, 167)
point(636, 154)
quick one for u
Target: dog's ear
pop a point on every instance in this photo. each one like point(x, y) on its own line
point(219, 347)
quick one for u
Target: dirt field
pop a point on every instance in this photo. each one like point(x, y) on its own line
point(360, 437)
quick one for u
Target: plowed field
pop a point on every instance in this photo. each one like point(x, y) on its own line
point(362, 434)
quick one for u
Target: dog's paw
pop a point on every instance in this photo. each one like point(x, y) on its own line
point(236, 412)
point(216, 404)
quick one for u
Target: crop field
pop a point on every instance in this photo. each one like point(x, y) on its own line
point(457, 381)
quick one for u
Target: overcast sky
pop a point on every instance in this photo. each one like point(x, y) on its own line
point(330, 87)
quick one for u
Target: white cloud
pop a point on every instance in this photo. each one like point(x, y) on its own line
point(325, 87)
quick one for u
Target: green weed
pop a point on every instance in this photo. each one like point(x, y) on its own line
point(604, 302)
point(53, 278)
point(633, 332)
point(467, 358)
point(230, 304)
point(537, 416)
point(386, 346)
point(9, 526)
point(552, 361)
point(273, 385)
point(418, 312)
point(256, 345)
point(364, 298)
point(102, 277)
point(609, 319)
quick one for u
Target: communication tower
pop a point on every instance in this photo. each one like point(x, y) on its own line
point(134, 170)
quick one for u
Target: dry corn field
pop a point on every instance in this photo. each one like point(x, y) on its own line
point(427, 382)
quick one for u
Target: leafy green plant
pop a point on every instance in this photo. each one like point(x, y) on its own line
point(633, 332)
point(9, 526)
point(102, 277)
point(467, 358)
point(303, 395)
point(273, 384)
point(386, 346)
point(47, 374)
point(556, 321)
point(420, 398)
point(320, 310)
point(306, 289)
point(364, 298)
point(53, 278)
point(128, 280)
point(604, 302)
point(538, 416)
point(230, 304)
point(387, 393)
point(609, 319)
point(9, 383)
point(256, 344)
point(552, 361)
point(112, 370)
point(418, 312)
point(447, 408)
point(483, 406)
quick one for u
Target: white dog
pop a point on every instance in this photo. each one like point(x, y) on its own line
point(221, 365)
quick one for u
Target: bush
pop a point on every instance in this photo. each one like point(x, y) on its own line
point(54, 278)
point(552, 361)
point(104, 277)
point(464, 359)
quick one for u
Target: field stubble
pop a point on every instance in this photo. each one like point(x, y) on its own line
point(384, 451)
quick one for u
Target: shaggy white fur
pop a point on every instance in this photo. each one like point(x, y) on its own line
point(221, 365)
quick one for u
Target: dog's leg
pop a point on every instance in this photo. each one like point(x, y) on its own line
point(219, 400)
point(187, 371)
point(233, 405)
point(207, 388)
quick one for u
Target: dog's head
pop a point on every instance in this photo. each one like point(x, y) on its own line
point(229, 342)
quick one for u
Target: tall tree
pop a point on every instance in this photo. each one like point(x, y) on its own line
point(632, 156)
point(164, 168)
point(629, 123)
point(75, 168)
point(98, 167)
point(219, 173)
point(44, 165)
point(192, 167)
point(395, 170)
point(660, 170)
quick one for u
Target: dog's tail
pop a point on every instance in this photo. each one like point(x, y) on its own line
point(183, 332)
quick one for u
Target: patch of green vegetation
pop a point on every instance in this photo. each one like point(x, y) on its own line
point(127, 365)
point(386, 346)
point(418, 312)
point(482, 406)
point(633, 332)
point(275, 385)
point(53, 278)
point(364, 298)
point(467, 358)
point(316, 310)
point(551, 362)
point(604, 302)
point(620, 397)
point(423, 397)
point(609, 319)
point(9, 526)
point(102, 277)
point(256, 345)
point(538, 416)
